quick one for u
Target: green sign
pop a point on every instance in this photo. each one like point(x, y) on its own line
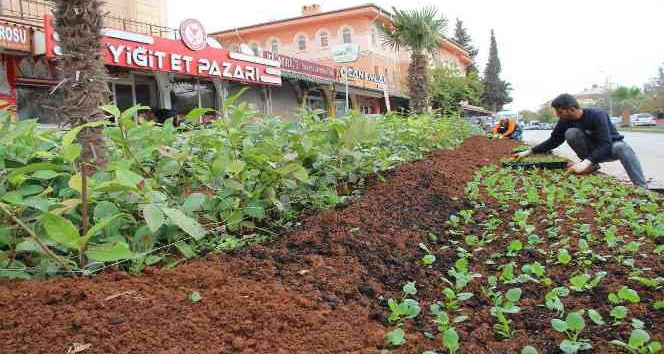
point(346, 53)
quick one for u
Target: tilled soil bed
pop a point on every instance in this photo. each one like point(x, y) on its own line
point(320, 289)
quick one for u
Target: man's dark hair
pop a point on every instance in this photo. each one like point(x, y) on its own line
point(565, 101)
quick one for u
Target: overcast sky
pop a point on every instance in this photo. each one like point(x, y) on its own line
point(546, 46)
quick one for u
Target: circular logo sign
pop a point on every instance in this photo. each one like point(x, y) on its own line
point(193, 34)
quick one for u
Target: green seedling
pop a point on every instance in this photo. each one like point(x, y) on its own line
point(583, 282)
point(572, 327)
point(514, 248)
point(396, 337)
point(653, 283)
point(443, 321)
point(529, 350)
point(624, 295)
point(564, 257)
point(659, 305)
point(501, 307)
point(467, 216)
point(429, 258)
point(639, 343)
point(453, 300)
point(195, 297)
point(618, 314)
point(552, 299)
point(451, 340)
point(461, 275)
point(405, 309)
point(596, 317)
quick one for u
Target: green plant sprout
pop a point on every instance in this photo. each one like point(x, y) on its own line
point(503, 305)
point(624, 295)
point(639, 343)
point(583, 282)
point(572, 327)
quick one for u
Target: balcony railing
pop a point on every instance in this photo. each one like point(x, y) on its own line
point(33, 11)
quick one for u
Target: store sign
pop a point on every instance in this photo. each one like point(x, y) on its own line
point(361, 76)
point(346, 53)
point(193, 34)
point(142, 52)
point(303, 66)
point(15, 37)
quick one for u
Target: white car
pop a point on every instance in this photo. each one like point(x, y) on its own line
point(643, 119)
point(616, 121)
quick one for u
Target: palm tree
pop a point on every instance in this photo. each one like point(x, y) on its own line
point(79, 24)
point(420, 32)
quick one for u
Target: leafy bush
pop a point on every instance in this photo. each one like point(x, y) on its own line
point(189, 189)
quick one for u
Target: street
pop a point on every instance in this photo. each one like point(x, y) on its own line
point(648, 147)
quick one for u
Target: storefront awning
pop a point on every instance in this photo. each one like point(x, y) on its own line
point(358, 91)
point(305, 77)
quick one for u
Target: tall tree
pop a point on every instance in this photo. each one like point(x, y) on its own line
point(496, 91)
point(79, 24)
point(450, 87)
point(654, 95)
point(421, 32)
point(462, 37)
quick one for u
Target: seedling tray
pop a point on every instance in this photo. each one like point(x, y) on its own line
point(561, 165)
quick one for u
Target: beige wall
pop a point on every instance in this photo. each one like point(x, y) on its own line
point(150, 11)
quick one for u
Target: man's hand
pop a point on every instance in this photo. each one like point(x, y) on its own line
point(522, 155)
point(581, 167)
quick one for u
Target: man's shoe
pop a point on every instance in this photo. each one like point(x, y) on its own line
point(595, 167)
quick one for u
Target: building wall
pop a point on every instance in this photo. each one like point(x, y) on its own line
point(149, 11)
point(375, 58)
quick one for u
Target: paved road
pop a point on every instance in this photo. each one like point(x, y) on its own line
point(649, 147)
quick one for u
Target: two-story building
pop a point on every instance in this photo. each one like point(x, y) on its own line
point(349, 40)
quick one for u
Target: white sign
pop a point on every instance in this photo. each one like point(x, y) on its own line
point(346, 53)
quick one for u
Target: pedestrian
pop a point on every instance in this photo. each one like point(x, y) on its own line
point(507, 128)
point(592, 136)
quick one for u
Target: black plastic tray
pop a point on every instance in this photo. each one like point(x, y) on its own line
point(536, 165)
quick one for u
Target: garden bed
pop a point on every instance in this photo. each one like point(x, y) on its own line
point(325, 287)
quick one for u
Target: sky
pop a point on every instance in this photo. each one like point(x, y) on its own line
point(546, 47)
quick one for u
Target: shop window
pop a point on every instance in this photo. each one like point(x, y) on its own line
point(189, 94)
point(347, 36)
point(302, 42)
point(324, 40)
point(38, 103)
point(255, 49)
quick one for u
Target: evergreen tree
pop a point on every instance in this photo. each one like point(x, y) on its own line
point(462, 37)
point(496, 91)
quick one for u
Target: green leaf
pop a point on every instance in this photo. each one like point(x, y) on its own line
point(99, 226)
point(513, 295)
point(194, 203)
point(61, 230)
point(575, 322)
point(105, 209)
point(410, 289)
point(529, 350)
point(109, 252)
point(130, 112)
point(255, 210)
point(396, 337)
point(569, 347)
point(154, 217)
point(451, 340)
point(659, 305)
point(186, 250)
point(564, 256)
point(128, 178)
point(13, 197)
point(45, 175)
point(596, 317)
point(195, 297)
point(71, 152)
point(559, 325)
point(195, 114)
point(112, 110)
point(71, 135)
point(428, 259)
point(638, 338)
point(628, 294)
point(579, 282)
point(307, 143)
point(34, 168)
point(236, 167)
point(76, 183)
point(187, 224)
point(619, 312)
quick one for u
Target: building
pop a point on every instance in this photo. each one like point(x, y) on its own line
point(350, 36)
point(26, 79)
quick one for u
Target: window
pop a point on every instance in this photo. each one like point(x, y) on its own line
point(346, 35)
point(189, 94)
point(374, 37)
point(301, 42)
point(255, 49)
point(274, 47)
point(324, 40)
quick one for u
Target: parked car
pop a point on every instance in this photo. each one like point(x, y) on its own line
point(547, 126)
point(532, 126)
point(616, 121)
point(643, 119)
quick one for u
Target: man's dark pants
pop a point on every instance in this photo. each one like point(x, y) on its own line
point(581, 143)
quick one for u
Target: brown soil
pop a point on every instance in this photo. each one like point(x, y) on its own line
point(320, 289)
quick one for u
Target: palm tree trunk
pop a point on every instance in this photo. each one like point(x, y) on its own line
point(79, 24)
point(418, 83)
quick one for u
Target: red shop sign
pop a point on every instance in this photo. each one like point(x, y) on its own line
point(303, 66)
point(142, 52)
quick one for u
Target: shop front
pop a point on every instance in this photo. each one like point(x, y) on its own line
point(367, 92)
point(15, 45)
point(173, 76)
point(306, 84)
